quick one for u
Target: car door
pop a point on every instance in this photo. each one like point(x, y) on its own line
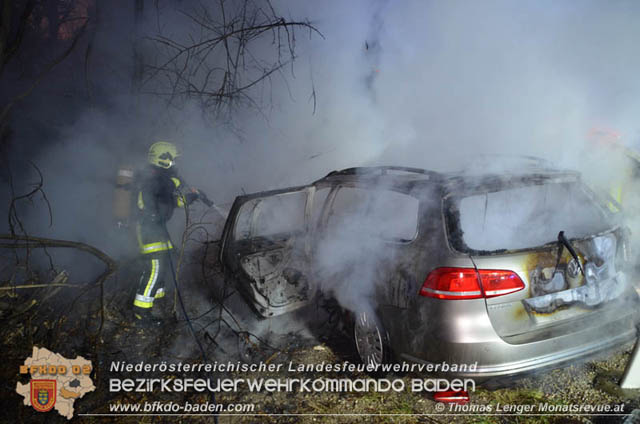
point(363, 250)
point(265, 247)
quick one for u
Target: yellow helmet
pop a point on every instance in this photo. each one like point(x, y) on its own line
point(163, 154)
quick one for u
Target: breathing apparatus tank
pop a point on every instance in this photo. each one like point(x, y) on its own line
point(122, 196)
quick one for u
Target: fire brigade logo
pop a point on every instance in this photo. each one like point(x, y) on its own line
point(43, 395)
point(56, 382)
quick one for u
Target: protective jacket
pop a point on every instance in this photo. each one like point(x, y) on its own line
point(159, 193)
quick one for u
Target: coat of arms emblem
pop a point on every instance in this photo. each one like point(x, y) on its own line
point(43, 394)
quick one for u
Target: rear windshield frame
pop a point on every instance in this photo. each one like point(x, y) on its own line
point(451, 213)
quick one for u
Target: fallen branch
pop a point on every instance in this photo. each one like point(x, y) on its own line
point(39, 286)
point(28, 242)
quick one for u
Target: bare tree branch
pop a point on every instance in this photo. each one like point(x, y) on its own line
point(217, 63)
point(13, 214)
point(8, 48)
point(43, 73)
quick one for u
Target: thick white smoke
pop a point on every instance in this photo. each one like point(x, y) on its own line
point(411, 83)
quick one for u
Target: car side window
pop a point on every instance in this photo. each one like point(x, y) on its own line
point(280, 214)
point(319, 200)
point(385, 214)
point(242, 229)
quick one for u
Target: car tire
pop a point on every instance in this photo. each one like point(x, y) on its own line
point(370, 339)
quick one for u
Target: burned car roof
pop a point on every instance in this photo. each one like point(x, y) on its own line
point(461, 181)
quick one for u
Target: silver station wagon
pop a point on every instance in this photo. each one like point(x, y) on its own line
point(512, 271)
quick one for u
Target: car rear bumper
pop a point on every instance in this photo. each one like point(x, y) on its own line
point(471, 340)
point(552, 360)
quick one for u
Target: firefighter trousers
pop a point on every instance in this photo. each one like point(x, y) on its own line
point(155, 248)
point(151, 284)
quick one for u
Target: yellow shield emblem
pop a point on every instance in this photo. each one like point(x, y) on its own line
point(43, 394)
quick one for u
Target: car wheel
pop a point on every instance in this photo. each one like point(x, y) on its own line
point(370, 339)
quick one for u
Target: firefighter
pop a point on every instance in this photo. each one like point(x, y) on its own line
point(160, 191)
point(627, 166)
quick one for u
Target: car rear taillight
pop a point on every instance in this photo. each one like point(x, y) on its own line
point(452, 283)
point(452, 396)
point(499, 282)
point(462, 283)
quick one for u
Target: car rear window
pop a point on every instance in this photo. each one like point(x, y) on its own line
point(525, 217)
point(385, 214)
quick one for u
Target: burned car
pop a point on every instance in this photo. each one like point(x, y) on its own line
point(512, 271)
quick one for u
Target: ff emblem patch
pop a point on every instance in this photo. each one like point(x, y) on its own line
point(43, 395)
point(573, 268)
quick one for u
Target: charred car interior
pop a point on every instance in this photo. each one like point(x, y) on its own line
point(513, 271)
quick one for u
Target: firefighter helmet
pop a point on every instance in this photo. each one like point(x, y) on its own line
point(163, 154)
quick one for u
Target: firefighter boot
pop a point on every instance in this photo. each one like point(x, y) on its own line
point(144, 318)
